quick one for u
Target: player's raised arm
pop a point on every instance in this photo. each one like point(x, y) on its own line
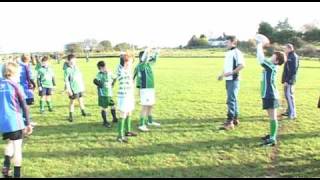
point(260, 53)
point(154, 56)
point(261, 41)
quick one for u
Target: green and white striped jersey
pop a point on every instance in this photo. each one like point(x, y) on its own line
point(124, 76)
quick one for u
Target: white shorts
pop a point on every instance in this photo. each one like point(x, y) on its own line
point(126, 104)
point(147, 97)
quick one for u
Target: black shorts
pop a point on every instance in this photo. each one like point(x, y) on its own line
point(30, 101)
point(45, 92)
point(76, 96)
point(13, 135)
point(270, 103)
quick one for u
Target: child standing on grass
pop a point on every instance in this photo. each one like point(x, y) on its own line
point(26, 80)
point(46, 83)
point(269, 92)
point(12, 108)
point(104, 81)
point(145, 82)
point(125, 97)
point(74, 85)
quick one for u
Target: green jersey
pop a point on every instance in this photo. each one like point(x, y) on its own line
point(144, 74)
point(125, 79)
point(73, 80)
point(45, 77)
point(105, 80)
point(38, 66)
point(269, 76)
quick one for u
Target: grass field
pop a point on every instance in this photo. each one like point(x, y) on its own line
point(191, 107)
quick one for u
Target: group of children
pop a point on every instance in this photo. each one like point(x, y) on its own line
point(17, 85)
point(144, 77)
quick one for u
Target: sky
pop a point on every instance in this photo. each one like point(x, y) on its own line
point(30, 27)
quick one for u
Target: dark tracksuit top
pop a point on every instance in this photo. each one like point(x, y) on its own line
point(290, 68)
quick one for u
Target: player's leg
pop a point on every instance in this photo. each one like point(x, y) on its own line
point(48, 99)
point(128, 126)
point(113, 110)
point(8, 154)
point(82, 106)
point(71, 109)
point(17, 157)
point(151, 121)
point(143, 118)
point(42, 101)
point(121, 135)
point(231, 105)
point(272, 140)
point(286, 95)
point(236, 104)
point(104, 116)
point(291, 102)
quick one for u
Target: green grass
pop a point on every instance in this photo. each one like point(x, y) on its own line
point(190, 106)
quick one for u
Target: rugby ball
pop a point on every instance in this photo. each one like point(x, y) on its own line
point(260, 38)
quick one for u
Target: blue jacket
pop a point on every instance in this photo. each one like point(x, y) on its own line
point(12, 107)
point(290, 69)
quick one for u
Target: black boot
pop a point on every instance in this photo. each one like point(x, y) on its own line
point(114, 116)
point(70, 117)
point(105, 120)
point(84, 113)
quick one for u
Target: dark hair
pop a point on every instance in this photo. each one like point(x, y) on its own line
point(101, 64)
point(45, 58)
point(140, 55)
point(231, 38)
point(122, 59)
point(280, 57)
point(70, 56)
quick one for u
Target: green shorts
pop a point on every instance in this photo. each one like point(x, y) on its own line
point(270, 103)
point(105, 101)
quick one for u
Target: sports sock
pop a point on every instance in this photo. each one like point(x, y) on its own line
point(7, 161)
point(104, 116)
point(142, 121)
point(150, 120)
point(121, 127)
point(41, 105)
point(113, 112)
point(128, 124)
point(16, 172)
point(274, 129)
point(49, 104)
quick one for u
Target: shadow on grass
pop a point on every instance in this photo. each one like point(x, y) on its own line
point(153, 149)
point(289, 168)
point(227, 170)
point(156, 148)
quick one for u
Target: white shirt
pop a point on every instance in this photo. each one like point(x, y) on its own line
point(228, 61)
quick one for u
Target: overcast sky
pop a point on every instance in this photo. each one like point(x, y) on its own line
point(49, 26)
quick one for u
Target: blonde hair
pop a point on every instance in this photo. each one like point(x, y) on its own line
point(9, 69)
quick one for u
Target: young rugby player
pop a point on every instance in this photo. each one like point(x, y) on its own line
point(145, 82)
point(46, 83)
point(74, 85)
point(269, 92)
point(12, 108)
point(104, 82)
